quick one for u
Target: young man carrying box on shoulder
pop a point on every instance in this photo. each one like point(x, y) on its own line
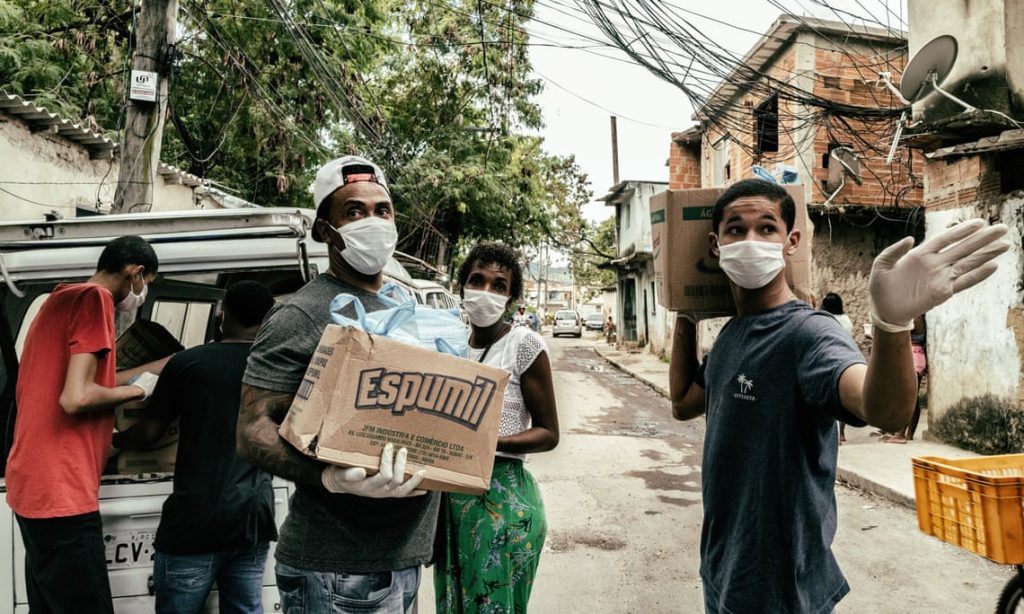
point(349, 543)
point(788, 373)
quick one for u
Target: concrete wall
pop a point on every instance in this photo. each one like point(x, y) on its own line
point(49, 171)
point(44, 172)
point(976, 339)
point(636, 238)
point(841, 259)
point(985, 31)
point(634, 218)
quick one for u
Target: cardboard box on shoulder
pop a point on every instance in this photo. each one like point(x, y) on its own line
point(145, 341)
point(362, 391)
point(687, 277)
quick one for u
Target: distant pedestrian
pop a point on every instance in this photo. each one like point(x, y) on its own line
point(521, 318)
point(609, 331)
point(776, 380)
point(218, 522)
point(833, 304)
point(918, 344)
point(492, 542)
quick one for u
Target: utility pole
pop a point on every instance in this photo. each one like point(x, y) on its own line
point(615, 152)
point(147, 106)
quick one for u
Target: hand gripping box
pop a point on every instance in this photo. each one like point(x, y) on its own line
point(687, 276)
point(362, 391)
point(145, 341)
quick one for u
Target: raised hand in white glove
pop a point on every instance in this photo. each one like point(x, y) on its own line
point(387, 483)
point(146, 381)
point(906, 283)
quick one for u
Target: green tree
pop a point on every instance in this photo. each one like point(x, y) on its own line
point(262, 92)
point(597, 248)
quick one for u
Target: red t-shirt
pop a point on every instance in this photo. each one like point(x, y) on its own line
point(55, 466)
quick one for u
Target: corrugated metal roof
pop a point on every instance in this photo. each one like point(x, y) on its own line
point(39, 119)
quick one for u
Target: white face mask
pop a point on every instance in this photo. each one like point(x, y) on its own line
point(368, 244)
point(484, 308)
point(751, 264)
point(133, 301)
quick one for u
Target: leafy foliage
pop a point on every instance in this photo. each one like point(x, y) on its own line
point(262, 92)
point(985, 425)
point(593, 251)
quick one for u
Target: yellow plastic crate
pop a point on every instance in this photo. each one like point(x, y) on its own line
point(974, 503)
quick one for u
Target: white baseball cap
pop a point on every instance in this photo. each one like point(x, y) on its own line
point(339, 172)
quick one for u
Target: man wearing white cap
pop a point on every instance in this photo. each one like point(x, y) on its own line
point(350, 543)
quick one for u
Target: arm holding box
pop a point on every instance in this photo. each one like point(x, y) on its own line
point(539, 398)
point(687, 395)
point(259, 417)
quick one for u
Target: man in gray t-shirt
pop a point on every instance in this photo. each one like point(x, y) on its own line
point(774, 384)
point(349, 542)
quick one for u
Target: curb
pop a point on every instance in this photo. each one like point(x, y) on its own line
point(638, 378)
point(854, 480)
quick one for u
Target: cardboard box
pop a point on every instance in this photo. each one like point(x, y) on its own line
point(686, 275)
point(145, 341)
point(158, 458)
point(362, 391)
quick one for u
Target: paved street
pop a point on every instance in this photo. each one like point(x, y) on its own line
point(623, 499)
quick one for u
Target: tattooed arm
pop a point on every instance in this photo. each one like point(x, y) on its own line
point(260, 414)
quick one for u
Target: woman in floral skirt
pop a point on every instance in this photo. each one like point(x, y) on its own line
point(489, 545)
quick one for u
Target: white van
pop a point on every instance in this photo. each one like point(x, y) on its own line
point(201, 253)
point(433, 294)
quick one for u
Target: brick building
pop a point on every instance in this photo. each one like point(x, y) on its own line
point(809, 88)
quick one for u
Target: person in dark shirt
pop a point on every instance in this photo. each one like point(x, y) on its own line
point(786, 373)
point(218, 522)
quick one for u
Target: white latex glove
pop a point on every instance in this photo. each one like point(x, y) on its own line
point(906, 283)
point(387, 483)
point(146, 381)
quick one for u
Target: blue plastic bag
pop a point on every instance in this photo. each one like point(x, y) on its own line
point(403, 320)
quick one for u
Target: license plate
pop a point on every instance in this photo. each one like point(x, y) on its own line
point(130, 548)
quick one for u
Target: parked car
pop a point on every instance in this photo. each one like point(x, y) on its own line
point(594, 321)
point(567, 322)
point(201, 253)
point(433, 294)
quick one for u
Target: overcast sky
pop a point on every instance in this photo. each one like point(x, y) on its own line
point(582, 89)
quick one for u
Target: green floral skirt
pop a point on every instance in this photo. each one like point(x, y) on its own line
point(489, 545)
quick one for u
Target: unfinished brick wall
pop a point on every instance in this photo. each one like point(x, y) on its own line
point(683, 167)
point(958, 182)
point(850, 77)
point(844, 76)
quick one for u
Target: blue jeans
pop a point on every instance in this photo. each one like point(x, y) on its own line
point(388, 592)
point(183, 581)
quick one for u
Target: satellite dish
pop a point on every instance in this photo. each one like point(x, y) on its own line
point(929, 67)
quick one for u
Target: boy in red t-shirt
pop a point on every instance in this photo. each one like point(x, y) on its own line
point(67, 387)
